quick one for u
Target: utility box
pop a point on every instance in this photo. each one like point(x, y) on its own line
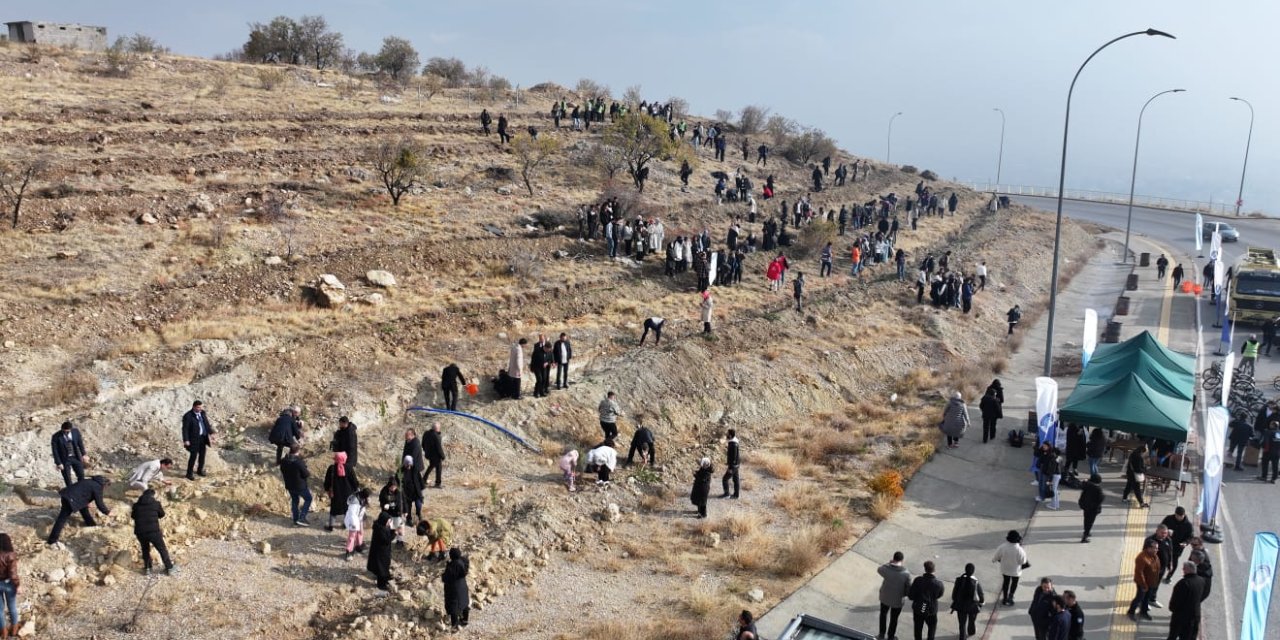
point(1144, 259)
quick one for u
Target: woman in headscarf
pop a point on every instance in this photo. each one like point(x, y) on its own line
point(569, 466)
point(955, 420)
point(701, 486)
point(966, 601)
point(457, 602)
point(339, 484)
point(380, 550)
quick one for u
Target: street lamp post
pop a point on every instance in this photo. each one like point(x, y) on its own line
point(1133, 177)
point(1062, 182)
point(888, 146)
point(1247, 142)
point(1000, 158)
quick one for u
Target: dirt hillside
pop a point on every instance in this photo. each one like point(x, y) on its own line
point(164, 257)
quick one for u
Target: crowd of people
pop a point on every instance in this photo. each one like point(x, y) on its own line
point(400, 501)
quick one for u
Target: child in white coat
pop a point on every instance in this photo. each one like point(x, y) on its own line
point(354, 522)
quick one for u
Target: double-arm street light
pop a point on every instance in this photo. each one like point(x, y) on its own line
point(1062, 182)
point(888, 147)
point(1128, 223)
point(1000, 158)
point(1240, 194)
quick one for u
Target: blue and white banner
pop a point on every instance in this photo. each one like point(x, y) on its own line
point(1046, 409)
point(1199, 232)
point(1262, 577)
point(1090, 341)
point(1215, 244)
point(1228, 369)
point(1215, 436)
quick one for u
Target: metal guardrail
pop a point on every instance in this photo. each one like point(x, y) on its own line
point(1153, 202)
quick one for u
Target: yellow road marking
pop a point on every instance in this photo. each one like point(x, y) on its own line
point(1122, 628)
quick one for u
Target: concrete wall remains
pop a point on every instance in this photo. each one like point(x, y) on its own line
point(79, 36)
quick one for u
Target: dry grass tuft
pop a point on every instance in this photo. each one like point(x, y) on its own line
point(882, 506)
point(800, 553)
point(916, 380)
point(704, 598)
point(72, 387)
point(817, 447)
point(741, 525)
point(753, 553)
point(888, 482)
point(779, 465)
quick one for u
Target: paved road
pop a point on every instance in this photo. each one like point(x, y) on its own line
point(1175, 230)
point(1248, 505)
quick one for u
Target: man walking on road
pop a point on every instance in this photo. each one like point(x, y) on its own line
point(1184, 604)
point(1162, 263)
point(1177, 276)
point(894, 584)
point(1146, 575)
point(924, 593)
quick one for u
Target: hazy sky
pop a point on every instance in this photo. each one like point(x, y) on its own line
point(847, 66)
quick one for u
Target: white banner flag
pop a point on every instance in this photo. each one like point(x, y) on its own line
point(712, 268)
point(1090, 341)
point(1215, 437)
point(1219, 273)
point(1215, 243)
point(1046, 409)
point(1228, 368)
point(1199, 232)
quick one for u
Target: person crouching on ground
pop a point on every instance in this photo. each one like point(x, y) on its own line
point(568, 467)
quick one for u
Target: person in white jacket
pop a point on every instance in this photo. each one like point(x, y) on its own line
point(1012, 559)
point(146, 473)
point(353, 522)
point(604, 459)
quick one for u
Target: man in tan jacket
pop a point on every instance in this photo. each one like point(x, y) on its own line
point(1146, 574)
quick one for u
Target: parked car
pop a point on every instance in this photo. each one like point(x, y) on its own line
point(1229, 233)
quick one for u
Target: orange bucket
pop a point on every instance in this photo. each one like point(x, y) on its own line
point(472, 388)
point(1186, 286)
point(1198, 289)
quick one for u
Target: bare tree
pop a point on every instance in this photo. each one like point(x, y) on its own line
point(399, 164)
point(591, 89)
point(679, 107)
point(724, 115)
point(428, 86)
point(532, 153)
point(810, 144)
point(608, 159)
point(15, 180)
point(752, 118)
point(632, 95)
point(781, 128)
point(639, 139)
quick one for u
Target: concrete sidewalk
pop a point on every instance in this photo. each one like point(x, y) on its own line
point(961, 504)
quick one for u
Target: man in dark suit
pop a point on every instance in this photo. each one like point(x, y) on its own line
point(68, 452)
point(1184, 605)
point(346, 440)
point(562, 352)
point(78, 497)
point(197, 435)
point(433, 450)
point(449, 379)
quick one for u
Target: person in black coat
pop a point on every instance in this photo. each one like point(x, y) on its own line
point(1136, 465)
point(924, 593)
point(197, 435)
point(966, 600)
point(68, 452)
point(393, 504)
point(1090, 502)
point(1095, 449)
point(1184, 605)
point(449, 379)
point(561, 354)
point(540, 364)
point(411, 490)
point(413, 447)
point(286, 432)
point(1180, 533)
point(1077, 447)
point(1238, 441)
point(146, 515)
point(433, 449)
point(732, 459)
point(642, 441)
point(345, 440)
point(702, 486)
point(379, 563)
point(992, 411)
point(339, 483)
point(1041, 609)
point(295, 474)
point(78, 497)
point(457, 601)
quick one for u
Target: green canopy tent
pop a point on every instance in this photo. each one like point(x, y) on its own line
point(1165, 380)
point(1146, 343)
point(1131, 405)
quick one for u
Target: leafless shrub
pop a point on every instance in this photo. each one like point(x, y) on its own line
point(752, 119)
point(270, 79)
